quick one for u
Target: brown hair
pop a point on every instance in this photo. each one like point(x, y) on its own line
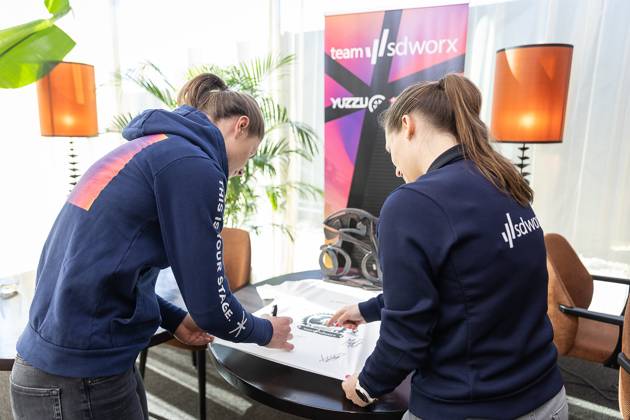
point(209, 93)
point(453, 105)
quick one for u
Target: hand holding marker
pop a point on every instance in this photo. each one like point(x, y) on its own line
point(281, 330)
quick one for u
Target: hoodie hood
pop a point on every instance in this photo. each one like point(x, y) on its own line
point(186, 122)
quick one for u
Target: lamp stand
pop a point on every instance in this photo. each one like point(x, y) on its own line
point(523, 161)
point(73, 164)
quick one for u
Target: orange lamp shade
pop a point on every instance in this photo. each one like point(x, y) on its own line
point(67, 101)
point(531, 86)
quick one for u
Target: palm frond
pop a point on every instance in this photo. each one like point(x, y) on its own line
point(285, 229)
point(306, 190)
point(255, 71)
point(304, 135)
point(151, 66)
point(205, 68)
point(159, 87)
point(273, 113)
point(120, 121)
point(165, 96)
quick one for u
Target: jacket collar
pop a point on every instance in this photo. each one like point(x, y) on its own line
point(452, 155)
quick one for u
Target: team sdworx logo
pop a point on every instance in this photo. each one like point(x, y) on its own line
point(381, 47)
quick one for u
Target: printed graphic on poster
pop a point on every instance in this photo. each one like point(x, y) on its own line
point(370, 58)
point(329, 351)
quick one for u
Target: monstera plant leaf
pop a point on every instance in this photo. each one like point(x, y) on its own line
point(29, 51)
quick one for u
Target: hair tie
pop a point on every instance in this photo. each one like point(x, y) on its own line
point(440, 84)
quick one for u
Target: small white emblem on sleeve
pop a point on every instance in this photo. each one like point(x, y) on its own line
point(240, 326)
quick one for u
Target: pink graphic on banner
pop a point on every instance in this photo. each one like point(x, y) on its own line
point(333, 89)
point(342, 142)
point(420, 46)
point(349, 40)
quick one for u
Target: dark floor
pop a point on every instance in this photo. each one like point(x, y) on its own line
point(591, 389)
point(171, 379)
point(171, 385)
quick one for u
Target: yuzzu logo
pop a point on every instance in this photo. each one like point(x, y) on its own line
point(380, 48)
point(357, 102)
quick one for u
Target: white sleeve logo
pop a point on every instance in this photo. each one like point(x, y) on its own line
point(516, 230)
point(240, 326)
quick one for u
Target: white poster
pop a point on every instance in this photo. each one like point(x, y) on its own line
point(329, 351)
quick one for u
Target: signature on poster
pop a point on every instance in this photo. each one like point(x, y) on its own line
point(331, 357)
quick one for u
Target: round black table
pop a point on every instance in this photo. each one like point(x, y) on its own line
point(292, 390)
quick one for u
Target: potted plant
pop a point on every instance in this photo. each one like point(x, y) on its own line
point(284, 139)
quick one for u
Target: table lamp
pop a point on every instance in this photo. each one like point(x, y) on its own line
point(67, 106)
point(531, 85)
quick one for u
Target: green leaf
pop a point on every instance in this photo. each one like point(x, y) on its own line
point(33, 57)
point(57, 7)
point(273, 198)
point(14, 35)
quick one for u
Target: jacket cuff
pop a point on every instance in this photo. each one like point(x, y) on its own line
point(377, 376)
point(262, 332)
point(172, 317)
point(370, 310)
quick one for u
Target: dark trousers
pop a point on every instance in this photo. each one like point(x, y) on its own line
point(38, 395)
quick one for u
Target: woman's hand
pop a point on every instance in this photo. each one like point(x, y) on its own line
point(281, 332)
point(189, 333)
point(348, 317)
point(349, 387)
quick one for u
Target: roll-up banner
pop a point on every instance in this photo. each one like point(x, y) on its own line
point(370, 58)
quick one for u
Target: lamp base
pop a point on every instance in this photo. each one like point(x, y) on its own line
point(523, 161)
point(73, 163)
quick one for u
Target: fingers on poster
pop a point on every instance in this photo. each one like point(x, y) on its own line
point(317, 324)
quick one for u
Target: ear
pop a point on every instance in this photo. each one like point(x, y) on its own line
point(242, 125)
point(408, 126)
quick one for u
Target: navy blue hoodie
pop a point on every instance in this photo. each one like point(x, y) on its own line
point(155, 201)
point(464, 303)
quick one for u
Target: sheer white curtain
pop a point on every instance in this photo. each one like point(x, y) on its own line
point(582, 186)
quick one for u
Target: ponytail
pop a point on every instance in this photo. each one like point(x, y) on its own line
point(453, 105)
point(209, 93)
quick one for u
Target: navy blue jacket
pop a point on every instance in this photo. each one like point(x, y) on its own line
point(155, 201)
point(464, 303)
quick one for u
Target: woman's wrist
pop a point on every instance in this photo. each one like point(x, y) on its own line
point(363, 394)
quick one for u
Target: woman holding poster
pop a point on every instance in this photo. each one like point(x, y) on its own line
point(464, 302)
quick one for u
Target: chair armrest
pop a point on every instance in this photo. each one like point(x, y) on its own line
point(160, 337)
point(595, 316)
point(623, 362)
point(611, 279)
